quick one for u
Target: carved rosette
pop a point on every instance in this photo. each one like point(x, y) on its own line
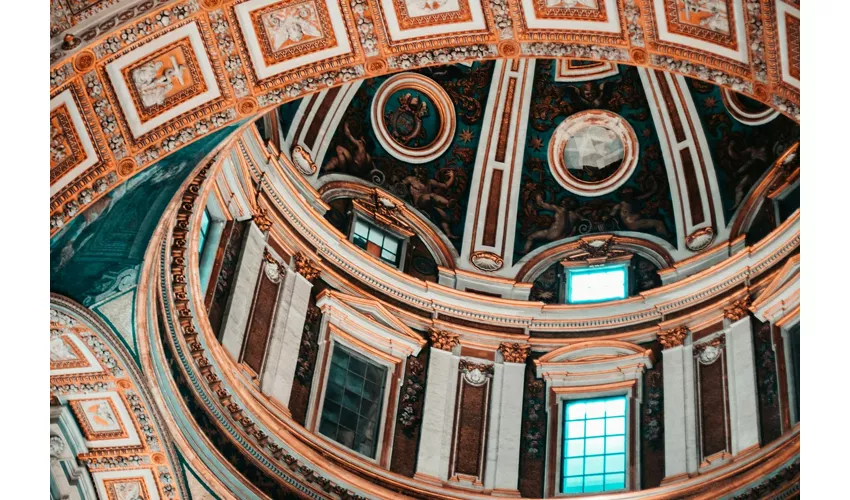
point(306, 267)
point(513, 352)
point(443, 340)
point(739, 309)
point(475, 373)
point(673, 338)
point(262, 220)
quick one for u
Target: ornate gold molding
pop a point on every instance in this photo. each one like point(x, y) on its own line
point(443, 340)
point(674, 337)
point(306, 267)
point(739, 309)
point(513, 352)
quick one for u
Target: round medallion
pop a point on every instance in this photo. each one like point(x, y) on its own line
point(413, 118)
point(593, 152)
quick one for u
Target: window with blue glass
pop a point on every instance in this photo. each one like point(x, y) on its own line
point(597, 284)
point(377, 242)
point(594, 448)
point(205, 227)
point(353, 399)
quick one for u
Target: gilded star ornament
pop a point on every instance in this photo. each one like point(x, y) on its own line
point(536, 143)
point(466, 136)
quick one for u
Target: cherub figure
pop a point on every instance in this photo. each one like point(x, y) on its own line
point(562, 226)
point(356, 163)
point(632, 219)
point(154, 89)
point(291, 28)
point(425, 195)
point(591, 95)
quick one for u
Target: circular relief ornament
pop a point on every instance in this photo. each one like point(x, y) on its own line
point(700, 239)
point(413, 118)
point(487, 261)
point(593, 152)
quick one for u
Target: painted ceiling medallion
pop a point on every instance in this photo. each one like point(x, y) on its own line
point(413, 118)
point(487, 261)
point(592, 153)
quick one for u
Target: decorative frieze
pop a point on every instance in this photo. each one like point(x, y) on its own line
point(674, 337)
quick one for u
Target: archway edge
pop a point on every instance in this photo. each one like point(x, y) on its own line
point(114, 133)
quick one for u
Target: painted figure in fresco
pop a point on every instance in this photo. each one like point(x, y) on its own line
point(357, 163)
point(562, 226)
point(426, 196)
point(752, 158)
point(58, 149)
point(593, 96)
point(154, 89)
point(632, 219)
point(405, 122)
point(288, 27)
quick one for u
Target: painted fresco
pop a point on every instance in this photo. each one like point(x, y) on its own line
point(741, 153)
point(438, 188)
point(107, 242)
point(548, 212)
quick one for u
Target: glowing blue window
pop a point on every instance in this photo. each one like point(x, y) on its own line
point(593, 456)
point(597, 284)
point(205, 226)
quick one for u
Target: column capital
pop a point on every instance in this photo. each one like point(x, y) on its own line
point(674, 337)
point(514, 352)
point(739, 309)
point(306, 267)
point(443, 340)
point(262, 220)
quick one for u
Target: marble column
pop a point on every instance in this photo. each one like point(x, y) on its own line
point(505, 429)
point(438, 412)
point(743, 398)
point(238, 307)
point(282, 354)
point(679, 408)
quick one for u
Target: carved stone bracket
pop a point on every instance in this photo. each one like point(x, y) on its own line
point(513, 352)
point(274, 271)
point(673, 338)
point(475, 373)
point(306, 267)
point(739, 309)
point(708, 352)
point(443, 340)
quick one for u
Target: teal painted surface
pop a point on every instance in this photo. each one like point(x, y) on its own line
point(741, 153)
point(111, 236)
point(647, 191)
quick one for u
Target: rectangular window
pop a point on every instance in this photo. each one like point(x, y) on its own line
point(593, 457)
point(597, 284)
point(353, 399)
point(205, 226)
point(377, 242)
